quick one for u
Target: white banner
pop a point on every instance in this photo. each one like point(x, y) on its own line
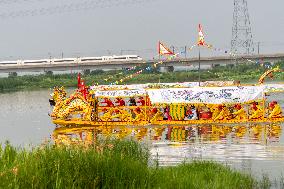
point(162, 85)
point(211, 95)
point(144, 86)
point(208, 95)
point(120, 93)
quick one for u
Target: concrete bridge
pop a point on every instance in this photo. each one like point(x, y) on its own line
point(206, 62)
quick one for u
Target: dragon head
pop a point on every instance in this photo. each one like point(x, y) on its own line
point(58, 94)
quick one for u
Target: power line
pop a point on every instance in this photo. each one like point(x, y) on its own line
point(83, 6)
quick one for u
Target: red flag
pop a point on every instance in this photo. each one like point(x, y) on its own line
point(201, 40)
point(163, 50)
point(79, 80)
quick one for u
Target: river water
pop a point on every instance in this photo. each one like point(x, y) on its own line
point(256, 149)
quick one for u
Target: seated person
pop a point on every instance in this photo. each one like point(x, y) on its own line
point(122, 115)
point(107, 116)
point(276, 111)
point(224, 113)
point(167, 115)
point(191, 113)
point(204, 112)
point(108, 102)
point(140, 116)
point(240, 113)
point(132, 101)
point(214, 108)
point(119, 101)
point(157, 115)
point(256, 111)
point(141, 101)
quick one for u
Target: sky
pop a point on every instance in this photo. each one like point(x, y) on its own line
point(32, 29)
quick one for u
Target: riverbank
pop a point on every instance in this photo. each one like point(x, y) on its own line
point(112, 164)
point(244, 73)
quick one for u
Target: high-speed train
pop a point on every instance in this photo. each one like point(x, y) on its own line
point(78, 60)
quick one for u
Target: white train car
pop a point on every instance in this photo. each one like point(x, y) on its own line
point(101, 59)
point(90, 59)
point(122, 58)
point(10, 63)
point(35, 62)
point(113, 58)
point(64, 60)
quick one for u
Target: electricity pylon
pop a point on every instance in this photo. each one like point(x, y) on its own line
point(242, 42)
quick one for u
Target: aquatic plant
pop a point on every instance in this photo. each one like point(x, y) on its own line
point(108, 164)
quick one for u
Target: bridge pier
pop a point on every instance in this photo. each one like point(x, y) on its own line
point(165, 69)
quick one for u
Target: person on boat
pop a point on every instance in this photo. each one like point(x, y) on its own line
point(157, 115)
point(139, 115)
point(256, 111)
point(108, 102)
point(240, 113)
point(125, 115)
point(116, 114)
point(222, 113)
point(214, 108)
point(107, 116)
point(276, 111)
point(141, 101)
point(191, 113)
point(167, 115)
point(121, 115)
point(132, 101)
point(204, 112)
point(119, 101)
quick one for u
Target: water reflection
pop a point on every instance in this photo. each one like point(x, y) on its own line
point(253, 148)
point(255, 133)
point(175, 144)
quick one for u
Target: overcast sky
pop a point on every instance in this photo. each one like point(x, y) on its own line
point(42, 28)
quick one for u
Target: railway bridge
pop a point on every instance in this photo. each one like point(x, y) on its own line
point(191, 63)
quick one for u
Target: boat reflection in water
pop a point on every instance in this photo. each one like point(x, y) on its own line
point(254, 148)
point(174, 144)
point(256, 134)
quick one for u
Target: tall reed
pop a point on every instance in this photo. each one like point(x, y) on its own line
point(108, 164)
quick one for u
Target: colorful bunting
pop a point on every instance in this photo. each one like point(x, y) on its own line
point(164, 50)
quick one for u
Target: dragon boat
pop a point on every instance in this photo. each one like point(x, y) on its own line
point(188, 103)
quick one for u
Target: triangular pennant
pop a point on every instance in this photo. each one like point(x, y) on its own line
point(201, 40)
point(163, 50)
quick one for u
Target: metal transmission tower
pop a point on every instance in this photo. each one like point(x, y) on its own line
point(242, 42)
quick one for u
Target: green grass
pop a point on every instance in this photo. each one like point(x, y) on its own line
point(112, 164)
point(243, 72)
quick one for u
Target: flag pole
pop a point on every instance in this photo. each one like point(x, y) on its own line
point(199, 66)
